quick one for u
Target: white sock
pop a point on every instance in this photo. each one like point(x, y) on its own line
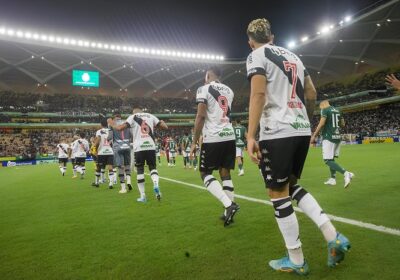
point(311, 208)
point(289, 227)
point(140, 183)
point(154, 177)
point(110, 178)
point(296, 256)
point(102, 171)
point(96, 179)
point(74, 171)
point(215, 188)
point(227, 186)
point(128, 179)
point(123, 187)
point(83, 170)
point(329, 231)
point(62, 169)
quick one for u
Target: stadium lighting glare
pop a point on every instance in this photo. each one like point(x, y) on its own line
point(304, 39)
point(325, 29)
point(341, 41)
point(388, 20)
point(347, 18)
point(27, 35)
point(341, 22)
point(331, 26)
point(378, 24)
point(291, 44)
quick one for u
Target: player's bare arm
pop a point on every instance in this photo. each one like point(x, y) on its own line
point(198, 126)
point(310, 96)
point(321, 124)
point(162, 125)
point(257, 102)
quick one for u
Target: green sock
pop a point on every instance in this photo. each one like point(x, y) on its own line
point(333, 165)
point(333, 173)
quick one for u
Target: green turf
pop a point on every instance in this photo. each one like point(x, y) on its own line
point(54, 227)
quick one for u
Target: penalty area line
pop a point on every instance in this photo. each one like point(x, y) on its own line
point(356, 223)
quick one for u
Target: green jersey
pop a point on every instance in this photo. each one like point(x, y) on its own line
point(240, 132)
point(186, 143)
point(331, 131)
point(171, 146)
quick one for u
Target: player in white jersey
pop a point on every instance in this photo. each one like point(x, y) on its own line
point(72, 156)
point(105, 154)
point(143, 125)
point(282, 101)
point(79, 149)
point(62, 151)
point(214, 101)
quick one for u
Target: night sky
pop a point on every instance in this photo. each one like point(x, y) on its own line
point(204, 26)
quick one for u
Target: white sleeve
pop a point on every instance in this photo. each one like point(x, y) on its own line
point(255, 65)
point(201, 95)
point(98, 133)
point(130, 121)
point(155, 120)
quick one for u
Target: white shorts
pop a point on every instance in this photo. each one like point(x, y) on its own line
point(330, 150)
point(239, 152)
point(172, 155)
point(158, 154)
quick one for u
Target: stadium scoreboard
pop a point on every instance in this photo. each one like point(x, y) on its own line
point(84, 78)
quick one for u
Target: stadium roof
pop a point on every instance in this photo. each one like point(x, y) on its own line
point(36, 62)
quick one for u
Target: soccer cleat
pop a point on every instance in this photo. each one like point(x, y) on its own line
point(348, 176)
point(337, 249)
point(123, 191)
point(330, 181)
point(158, 193)
point(129, 187)
point(285, 265)
point(230, 213)
point(95, 185)
point(63, 173)
point(241, 172)
point(142, 199)
point(110, 187)
point(73, 177)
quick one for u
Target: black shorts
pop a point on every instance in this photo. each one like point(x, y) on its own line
point(104, 160)
point(145, 157)
point(213, 156)
point(73, 161)
point(80, 160)
point(282, 158)
point(63, 160)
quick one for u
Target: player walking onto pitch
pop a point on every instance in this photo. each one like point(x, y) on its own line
point(330, 123)
point(172, 151)
point(158, 151)
point(105, 154)
point(214, 101)
point(72, 156)
point(122, 153)
point(186, 144)
point(143, 125)
point(282, 102)
point(241, 135)
point(79, 149)
point(62, 151)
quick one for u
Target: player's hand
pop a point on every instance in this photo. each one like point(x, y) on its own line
point(312, 140)
point(192, 151)
point(391, 79)
point(253, 150)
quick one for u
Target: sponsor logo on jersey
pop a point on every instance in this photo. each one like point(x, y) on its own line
point(226, 132)
point(146, 144)
point(300, 123)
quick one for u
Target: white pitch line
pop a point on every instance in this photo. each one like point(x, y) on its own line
point(361, 224)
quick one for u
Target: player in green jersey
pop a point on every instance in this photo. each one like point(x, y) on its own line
point(240, 136)
point(185, 147)
point(172, 151)
point(329, 125)
point(158, 151)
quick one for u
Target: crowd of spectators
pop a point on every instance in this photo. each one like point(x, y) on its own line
point(29, 143)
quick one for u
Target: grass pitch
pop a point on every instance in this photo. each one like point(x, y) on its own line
point(54, 227)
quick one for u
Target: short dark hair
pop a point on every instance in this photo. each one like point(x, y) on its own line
point(103, 122)
point(216, 70)
point(259, 30)
point(82, 134)
point(238, 121)
point(117, 114)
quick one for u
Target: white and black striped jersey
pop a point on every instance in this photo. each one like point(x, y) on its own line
point(219, 98)
point(104, 147)
point(79, 148)
point(284, 113)
point(62, 150)
point(143, 125)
